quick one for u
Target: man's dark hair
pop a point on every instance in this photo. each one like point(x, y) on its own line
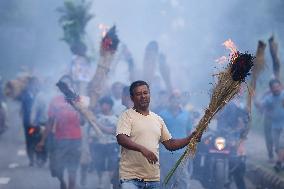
point(137, 84)
point(273, 81)
point(106, 100)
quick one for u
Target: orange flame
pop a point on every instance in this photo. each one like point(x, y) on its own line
point(230, 45)
point(104, 28)
point(31, 131)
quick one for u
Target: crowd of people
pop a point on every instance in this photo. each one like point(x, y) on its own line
point(62, 136)
point(57, 133)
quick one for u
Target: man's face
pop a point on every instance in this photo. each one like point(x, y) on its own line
point(175, 102)
point(105, 108)
point(276, 89)
point(141, 97)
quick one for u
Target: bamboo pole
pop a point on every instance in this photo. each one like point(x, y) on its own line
point(108, 48)
point(273, 46)
point(259, 64)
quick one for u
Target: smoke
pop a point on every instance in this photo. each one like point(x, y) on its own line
point(189, 32)
point(29, 34)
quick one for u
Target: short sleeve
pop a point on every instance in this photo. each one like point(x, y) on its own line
point(124, 124)
point(165, 134)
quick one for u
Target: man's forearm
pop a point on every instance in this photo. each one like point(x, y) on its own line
point(45, 133)
point(125, 142)
point(176, 144)
point(47, 130)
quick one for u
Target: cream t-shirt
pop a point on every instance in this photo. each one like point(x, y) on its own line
point(147, 131)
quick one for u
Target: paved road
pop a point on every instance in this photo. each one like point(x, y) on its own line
point(14, 170)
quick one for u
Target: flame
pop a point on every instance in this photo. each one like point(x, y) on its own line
point(31, 131)
point(230, 45)
point(104, 28)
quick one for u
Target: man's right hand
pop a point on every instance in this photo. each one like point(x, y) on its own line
point(150, 156)
point(127, 143)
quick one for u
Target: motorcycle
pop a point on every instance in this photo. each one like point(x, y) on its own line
point(216, 159)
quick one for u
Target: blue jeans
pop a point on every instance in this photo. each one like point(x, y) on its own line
point(139, 184)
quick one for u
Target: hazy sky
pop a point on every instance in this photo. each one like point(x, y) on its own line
point(189, 32)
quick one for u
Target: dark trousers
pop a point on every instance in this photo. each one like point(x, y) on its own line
point(268, 138)
point(32, 139)
point(30, 145)
point(237, 171)
point(276, 133)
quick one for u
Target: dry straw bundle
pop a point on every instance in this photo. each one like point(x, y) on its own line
point(227, 87)
point(108, 48)
point(258, 67)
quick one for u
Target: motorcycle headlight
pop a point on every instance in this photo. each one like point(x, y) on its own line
point(220, 143)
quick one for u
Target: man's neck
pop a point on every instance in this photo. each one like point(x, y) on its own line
point(142, 110)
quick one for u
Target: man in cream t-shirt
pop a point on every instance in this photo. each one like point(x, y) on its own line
point(139, 132)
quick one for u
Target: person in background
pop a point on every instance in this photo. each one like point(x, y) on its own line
point(272, 107)
point(116, 91)
point(38, 122)
point(105, 155)
point(80, 69)
point(27, 98)
point(179, 124)
point(125, 98)
point(65, 122)
point(161, 102)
